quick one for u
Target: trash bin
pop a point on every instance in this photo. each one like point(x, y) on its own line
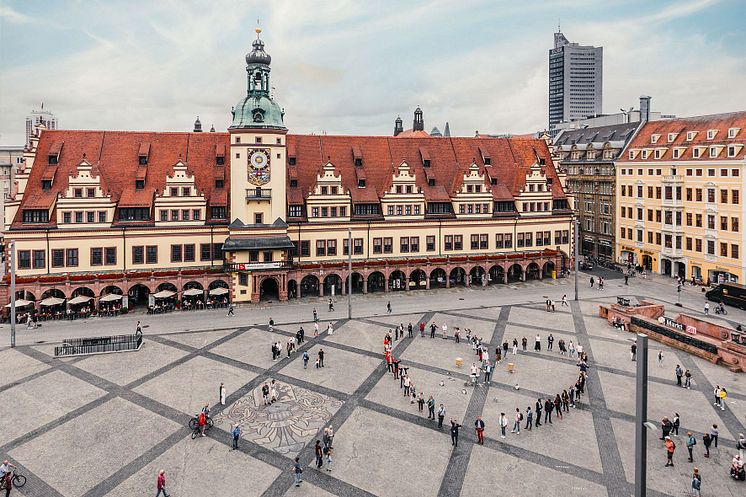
point(459, 362)
point(554, 274)
point(511, 367)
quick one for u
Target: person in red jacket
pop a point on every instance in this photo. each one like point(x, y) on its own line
point(202, 422)
point(161, 484)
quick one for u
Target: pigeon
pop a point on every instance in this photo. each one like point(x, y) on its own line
point(463, 391)
point(442, 383)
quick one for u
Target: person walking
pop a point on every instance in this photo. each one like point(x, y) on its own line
point(329, 459)
point(138, 328)
point(331, 305)
point(723, 394)
point(691, 441)
point(592, 281)
point(517, 423)
point(660, 358)
point(503, 424)
point(297, 471)
point(441, 415)
point(454, 432)
point(221, 394)
point(319, 452)
point(487, 372)
point(679, 373)
point(538, 406)
point(707, 440)
point(714, 434)
point(633, 351)
point(161, 484)
point(696, 482)
point(676, 424)
point(305, 359)
point(529, 418)
point(670, 448)
point(707, 308)
point(235, 435)
point(688, 379)
point(388, 307)
point(626, 279)
point(231, 313)
point(741, 445)
point(479, 427)
point(321, 358)
point(564, 301)
point(716, 392)
point(431, 408)
point(315, 316)
point(271, 324)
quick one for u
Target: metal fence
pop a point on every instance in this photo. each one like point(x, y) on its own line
point(680, 337)
point(98, 345)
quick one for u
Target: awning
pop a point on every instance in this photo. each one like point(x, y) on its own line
point(110, 298)
point(21, 303)
point(164, 294)
point(219, 291)
point(192, 292)
point(80, 299)
point(50, 301)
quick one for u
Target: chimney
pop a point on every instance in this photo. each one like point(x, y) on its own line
point(645, 108)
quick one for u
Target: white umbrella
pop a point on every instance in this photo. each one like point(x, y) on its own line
point(80, 299)
point(21, 303)
point(192, 292)
point(164, 294)
point(50, 301)
point(110, 298)
point(219, 291)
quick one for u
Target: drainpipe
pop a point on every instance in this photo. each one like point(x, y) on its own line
point(49, 252)
point(124, 248)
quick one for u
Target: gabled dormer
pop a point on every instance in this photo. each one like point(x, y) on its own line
point(535, 197)
point(403, 199)
point(474, 196)
point(329, 200)
point(180, 203)
point(85, 203)
point(143, 154)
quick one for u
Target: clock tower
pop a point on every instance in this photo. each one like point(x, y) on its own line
point(258, 149)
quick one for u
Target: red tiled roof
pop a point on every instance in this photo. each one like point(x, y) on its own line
point(114, 155)
point(701, 124)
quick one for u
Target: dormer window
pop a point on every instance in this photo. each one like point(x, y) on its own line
point(731, 151)
point(219, 183)
point(695, 153)
point(361, 183)
point(493, 181)
point(220, 161)
point(358, 162)
point(53, 159)
point(324, 190)
point(426, 163)
point(78, 193)
point(291, 161)
point(431, 182)
point(657, 154)
point(676, 153)
point(671, 137)
point(732, 132)
point(174, 192)
point(711, 133)
point(46, 184)
point(654, 138)
point(91, 192)
point(487, 161)
point(713, 152)
point(293, 183)
point(139, 184)
point(690, 135)
point(143, 160)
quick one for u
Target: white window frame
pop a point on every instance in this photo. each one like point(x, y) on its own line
point(711, 134)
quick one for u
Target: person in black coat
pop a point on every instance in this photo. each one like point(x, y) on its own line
point(539, 407)
point(454, 432)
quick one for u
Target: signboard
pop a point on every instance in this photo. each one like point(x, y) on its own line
point(691, 330)
point(671, 323)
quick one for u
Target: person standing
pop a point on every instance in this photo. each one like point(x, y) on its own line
point(696, 482)
point(431, 408)
point(305, 359)
point(445, 331)
point(688, 379)
point(433, 327)
point(422, 329)
point(329, 459)
point(479, 427)
point(707, 308)
point(691, 441)
point(633, 351)
point(660, 358)
point(529, 418)
point(441, 415)
point(723, 394)
point(670, 448)
point(321, 358)
point(221, 394)
point(707, 440)
point(503, 424)
point(676, 423)
point(548, 407)
point(714, 434)
point(539, 406)
point(420, 402)
point(161, 484)
point(592, 281)
point(487, 372)
point(741, 444)
point(537, 343)
point(315, 316)
point(524, 343)
point(297, 471)
point(454, 432)
point(236, 434)
point(331, 305)
point(550, 342)
point(271, 324)
point(517, 423)
point(319, 452)
point(388, 307)
point(679, 373)
point(410, 328)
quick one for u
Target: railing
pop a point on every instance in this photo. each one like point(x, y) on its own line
point(259, 193)
point(98, 345)
point(669, 333)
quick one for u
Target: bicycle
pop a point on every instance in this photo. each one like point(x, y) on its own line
point(17, 481)
point(194, 426)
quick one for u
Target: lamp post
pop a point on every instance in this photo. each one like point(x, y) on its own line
point(641, 417)
point(576, 237)
point(678, 295)
point(349, 273)
point(12, 248)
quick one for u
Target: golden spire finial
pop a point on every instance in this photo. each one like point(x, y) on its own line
point(258, 29)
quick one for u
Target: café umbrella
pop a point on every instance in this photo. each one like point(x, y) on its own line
point(51, 301)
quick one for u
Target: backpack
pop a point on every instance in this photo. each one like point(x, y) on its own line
point(696, 484)
point(520, 416)
point(692, 441)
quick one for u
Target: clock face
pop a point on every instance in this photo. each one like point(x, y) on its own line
point(259, 159)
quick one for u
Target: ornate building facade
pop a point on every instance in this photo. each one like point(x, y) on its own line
point(267, 214)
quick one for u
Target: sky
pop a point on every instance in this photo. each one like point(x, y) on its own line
point(351, 66)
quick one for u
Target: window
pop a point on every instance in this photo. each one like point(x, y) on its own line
point(361, 183)
point(134, 214)
point(258, 218)
point(734, 251)
point(698, 220)
point(711, 195)
point(35, 216)
point(404, 244)
point(196, 214)
point(110, 256)
point(474, 242)
point(676, 154)
point(734, 224)
point(331, 247)
point(151, 254)
point(220, 160)
point(723, 223)
point(689, 218)
point(377, 246)
point(138, 254)
point(219, 183)
point(164, 215)
point(320, 248)
point(46, 184)
point(724, 196)
point(711, 133)
point(689, 194)
point(102, 216)
point(324, 212)
point(698, 245)
point(176, 253)
point(78, 217)
point(723, 249)
point(695, 152)
point(139, 184)
point(314, 212)
point(24, 259)
point(414, 244)
point(66, 217)
point(305, 248)
point(430, 243)
point(243, 279)
point(448, 242)
point(97, 256)
point(72, 257)
point(258, 139)
point(174, 192)
point(529, 240)
point(189, 253)
point(217, 212)
point(732, 132)
point(458, 242)
point(367, 209)
point(734, 196)
point(293, 183)
point(388, 245)
point(58, 258)
point(39, 259)
point(295, 211)
point(710, 222)
point(688, 243)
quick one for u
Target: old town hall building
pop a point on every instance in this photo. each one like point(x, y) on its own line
point(258, 213)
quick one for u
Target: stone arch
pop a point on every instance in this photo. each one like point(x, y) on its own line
point(397, 280)
point(138, 295)
point(477, 275)
point(193, 284)
point(438, 278)
point(547, 269)
point(269, 288)
point(25, 295)
point(309, 286)
point(376, 282)
point(358, 282)
point(496, 274)
point(332, 281)
point(457, 276)
point(83, 291)
point(417, 280)
point(115, 289)
point(533, 271)
point(515, 273)
point(292, 288)
point(53, 292)
point(166, 285)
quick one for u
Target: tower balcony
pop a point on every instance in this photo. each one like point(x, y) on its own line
point(258, 194)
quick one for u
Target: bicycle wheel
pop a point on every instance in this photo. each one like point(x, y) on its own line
point(195, 433)
point(193, 424)
point(210, 423)
point(19, 481)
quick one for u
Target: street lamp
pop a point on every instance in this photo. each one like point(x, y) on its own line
point(641, 417)
point(349, 273)
point(12, 247)
point(678, 295)
point(576, 229)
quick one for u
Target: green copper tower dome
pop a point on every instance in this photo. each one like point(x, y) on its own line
point(257, 109)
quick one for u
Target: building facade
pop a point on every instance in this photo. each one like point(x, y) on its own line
point(575, 81)
point(268, 215)
point(588, 158)
point(36, 118)
point(680, 184)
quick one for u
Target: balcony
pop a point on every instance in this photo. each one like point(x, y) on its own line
point(256, 266)
point(258, 194)
point(673, 202)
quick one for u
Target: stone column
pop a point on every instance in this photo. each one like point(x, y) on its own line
point(505, 277)
point(427, 283)
point(365, 286)
point(406, 284)
point(467, 280)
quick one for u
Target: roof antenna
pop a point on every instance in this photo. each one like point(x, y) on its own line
point(558, 25)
